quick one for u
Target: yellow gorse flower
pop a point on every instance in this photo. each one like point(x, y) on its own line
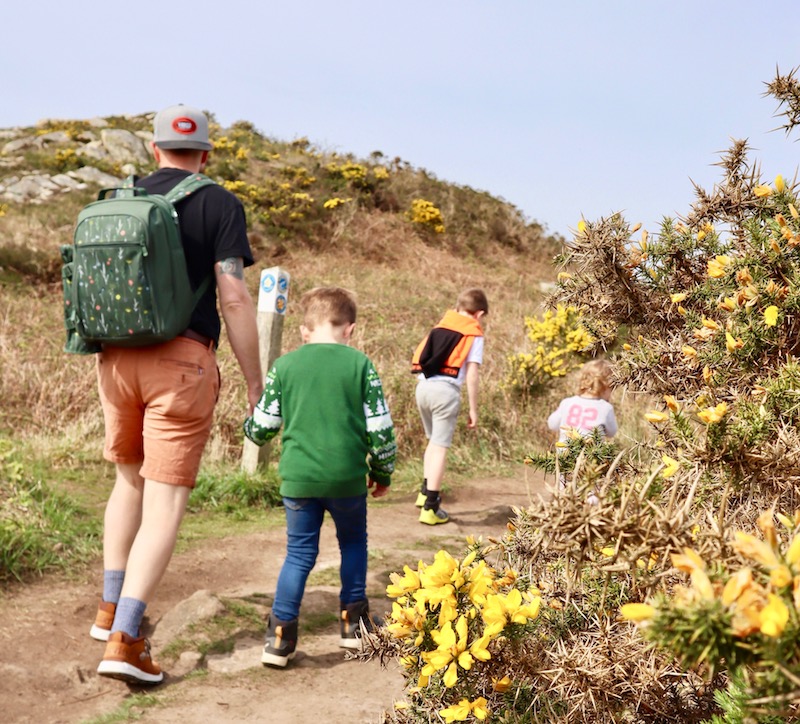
point(774, 616)
point(736, 585)
point(677, 297)
point(637, 612)
point(655, 416)
point(688, 561)
point(762, 191)
point(731, 343)
point(779, 183)
point(756, 550)
point(771, 316)
point(713, 414)
point(716, 266)
point(671, 466)
point(461, 711)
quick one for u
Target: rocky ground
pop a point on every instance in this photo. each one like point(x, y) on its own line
point(48, 660)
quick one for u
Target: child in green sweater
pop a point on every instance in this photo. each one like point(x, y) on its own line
point(338, 440)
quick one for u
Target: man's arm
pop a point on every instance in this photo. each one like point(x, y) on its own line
point(240, 323)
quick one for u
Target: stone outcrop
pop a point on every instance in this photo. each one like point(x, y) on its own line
point(128, 151)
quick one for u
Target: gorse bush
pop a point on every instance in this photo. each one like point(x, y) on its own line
point(745, 618)
point(454, 624)
point(559, 344)
point(709, 305)
point(424, 214)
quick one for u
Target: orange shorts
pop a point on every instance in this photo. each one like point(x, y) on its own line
point(158, 404)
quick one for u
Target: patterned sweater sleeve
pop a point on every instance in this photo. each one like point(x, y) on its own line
point(266, 420)
point(380, 430)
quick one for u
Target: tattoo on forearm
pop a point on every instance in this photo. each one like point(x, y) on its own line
point(233, 266)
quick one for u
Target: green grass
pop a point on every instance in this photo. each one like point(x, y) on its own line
point(41, 529)
point(132, 709)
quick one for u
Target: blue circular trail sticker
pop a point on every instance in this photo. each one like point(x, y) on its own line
point(280, 304)
point(268, 283)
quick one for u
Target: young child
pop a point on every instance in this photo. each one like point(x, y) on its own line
point(337, 431)
point(590, 408)
point(450, 354)
point(587, 410)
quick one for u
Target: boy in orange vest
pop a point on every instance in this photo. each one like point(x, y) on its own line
point(450, 355)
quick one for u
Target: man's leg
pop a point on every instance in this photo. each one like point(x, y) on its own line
point(163, 506)
point(121, 523)
point(122, 517)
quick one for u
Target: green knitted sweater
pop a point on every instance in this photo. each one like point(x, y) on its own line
point(337, 429)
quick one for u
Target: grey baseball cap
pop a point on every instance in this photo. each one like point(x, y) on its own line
point(181, 126)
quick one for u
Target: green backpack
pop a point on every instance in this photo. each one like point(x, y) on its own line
point(124, 276)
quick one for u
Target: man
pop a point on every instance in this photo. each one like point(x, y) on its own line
point(158, 401)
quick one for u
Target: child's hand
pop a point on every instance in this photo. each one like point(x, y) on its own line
point(380, 490)
point(472, 420)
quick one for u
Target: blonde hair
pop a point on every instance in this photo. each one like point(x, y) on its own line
point(328, 304)
point(472, 300)
point(595, 378)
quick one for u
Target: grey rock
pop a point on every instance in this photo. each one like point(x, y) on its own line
point(93, 175)
point(200, 606)
point(53, 137)
point(20, 144)
point(187, 662)
point(67, 182)
point(245, 655)
point(124, 146)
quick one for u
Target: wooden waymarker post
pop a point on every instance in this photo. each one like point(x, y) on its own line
point(273, 296)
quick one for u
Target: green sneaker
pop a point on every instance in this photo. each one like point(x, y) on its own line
point(421, 498)
point(433, 517)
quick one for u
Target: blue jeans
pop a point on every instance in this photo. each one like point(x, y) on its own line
point(303, 524)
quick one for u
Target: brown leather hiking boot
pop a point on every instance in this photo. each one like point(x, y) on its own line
point(128, 659)
point(103, 621)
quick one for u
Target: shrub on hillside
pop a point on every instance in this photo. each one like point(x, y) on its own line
point(710, 304)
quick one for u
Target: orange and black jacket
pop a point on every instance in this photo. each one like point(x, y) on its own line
point(446, 347)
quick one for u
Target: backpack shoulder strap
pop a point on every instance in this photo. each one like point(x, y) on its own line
point(187, 186)
point(180, 191)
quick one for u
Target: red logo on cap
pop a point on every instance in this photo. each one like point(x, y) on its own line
point(184, 125)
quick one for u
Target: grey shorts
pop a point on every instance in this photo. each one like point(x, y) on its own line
point(438, 402)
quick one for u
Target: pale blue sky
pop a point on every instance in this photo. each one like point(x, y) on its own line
point(562, 108)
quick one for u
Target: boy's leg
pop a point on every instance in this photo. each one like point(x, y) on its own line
point(303, 523)
point(434, 465)
point(350, 518)
point(444, 401)
point(435, 458)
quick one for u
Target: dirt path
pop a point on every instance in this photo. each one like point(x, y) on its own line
point(48, 660)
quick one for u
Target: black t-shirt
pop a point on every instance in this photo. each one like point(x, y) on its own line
point(213, 227)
